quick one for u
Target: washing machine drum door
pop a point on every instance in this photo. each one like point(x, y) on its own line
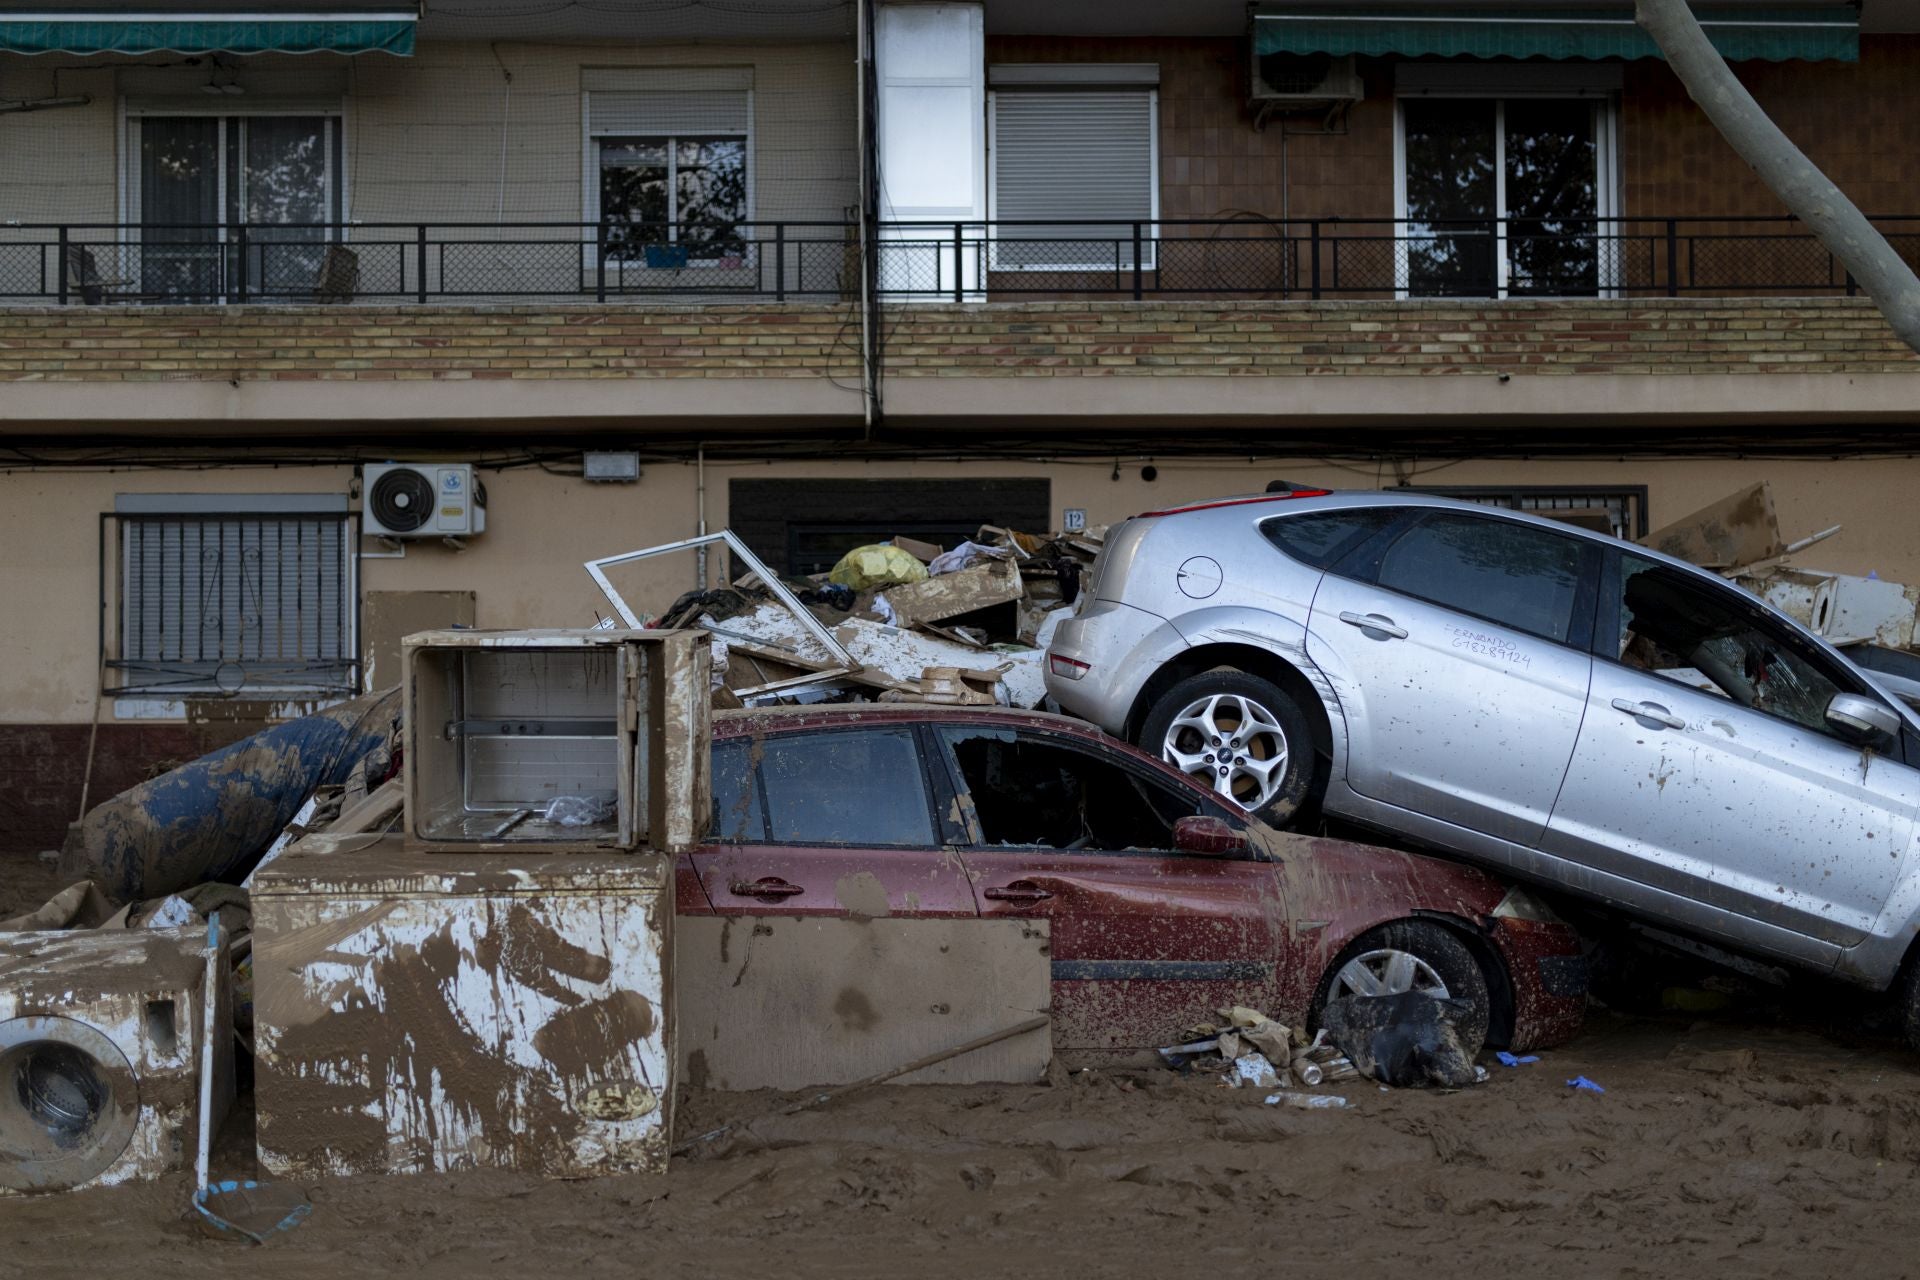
point(68, 1103)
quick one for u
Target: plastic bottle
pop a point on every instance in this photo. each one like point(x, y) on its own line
point(1306, 1101)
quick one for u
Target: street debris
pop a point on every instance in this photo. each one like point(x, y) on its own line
point(1256, 1052)
point(902, 621)
point(212, 818)
point(1404, 1040)
point(1307, 1101)
point(1514, 1060)
point(921, 1063)
point(1581, 1082)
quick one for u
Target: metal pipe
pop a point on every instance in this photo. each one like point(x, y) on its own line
point(862, 18)
point(700, 502)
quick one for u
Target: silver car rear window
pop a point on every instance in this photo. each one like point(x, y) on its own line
point(1319, 538)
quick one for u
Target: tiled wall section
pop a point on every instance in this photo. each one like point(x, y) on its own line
point(988, 340)
point(1859, 121)
point(42, 768)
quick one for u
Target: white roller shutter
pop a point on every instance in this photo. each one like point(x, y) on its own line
point(1086, 155)
point(668, 101)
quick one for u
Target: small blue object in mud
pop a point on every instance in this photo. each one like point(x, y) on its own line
point(1581, 1082)
point(1508, 1060)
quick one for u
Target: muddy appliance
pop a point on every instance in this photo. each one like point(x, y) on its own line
point(420, 1011)
point(102, 1034)
point(587, 739)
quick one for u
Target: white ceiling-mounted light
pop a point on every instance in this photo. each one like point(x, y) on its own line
point(610, 468)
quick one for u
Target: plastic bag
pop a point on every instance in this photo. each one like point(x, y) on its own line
point(865, 568)
point(579, 811)
point(1403, 1040)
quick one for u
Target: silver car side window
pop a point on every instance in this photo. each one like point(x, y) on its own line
point(1713, 639)
point(1503, 571)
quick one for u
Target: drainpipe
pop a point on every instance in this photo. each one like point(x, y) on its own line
point(700, 507)
point(863, 19)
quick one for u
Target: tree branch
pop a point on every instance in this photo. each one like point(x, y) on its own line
point(1806, 191)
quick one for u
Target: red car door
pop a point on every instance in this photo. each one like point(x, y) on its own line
point(1146, 940)
point(827, 822)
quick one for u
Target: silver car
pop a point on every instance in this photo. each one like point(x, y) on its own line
point(1557, 704)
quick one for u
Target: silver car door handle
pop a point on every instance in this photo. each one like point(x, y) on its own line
point(1649, 711)
point(1374, 622)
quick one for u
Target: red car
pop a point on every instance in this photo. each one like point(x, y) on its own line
point(1165, 902)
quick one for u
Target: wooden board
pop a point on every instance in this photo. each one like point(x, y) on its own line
point(385, 616)
point(1739, 529)
point(799, 1002)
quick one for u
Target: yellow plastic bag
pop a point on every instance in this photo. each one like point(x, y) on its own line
point(865, 568)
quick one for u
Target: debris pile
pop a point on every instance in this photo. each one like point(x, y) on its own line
point(901, 621)
point(1251, 1050)
point(1869, 618)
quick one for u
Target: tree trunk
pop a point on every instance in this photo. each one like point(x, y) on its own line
point(1806, 192)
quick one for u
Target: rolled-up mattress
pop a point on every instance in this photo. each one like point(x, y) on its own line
point(213, 818)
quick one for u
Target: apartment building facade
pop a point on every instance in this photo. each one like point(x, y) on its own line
point(829, 271)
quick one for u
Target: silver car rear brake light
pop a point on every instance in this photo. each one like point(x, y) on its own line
point(1067, 668)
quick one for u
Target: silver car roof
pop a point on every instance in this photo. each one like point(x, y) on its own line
point(1255, 508)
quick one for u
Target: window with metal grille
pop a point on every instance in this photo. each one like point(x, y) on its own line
point(235, 602)
point(1618, 509)
point(1084, 159)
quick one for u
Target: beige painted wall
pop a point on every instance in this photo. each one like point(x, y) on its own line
point(525, 571)
point(424, 134)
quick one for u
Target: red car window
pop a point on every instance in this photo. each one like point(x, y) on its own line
point(1036, 791)
point(842, 787)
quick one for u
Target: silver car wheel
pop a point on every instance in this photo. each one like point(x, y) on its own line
point(1234, 743)
point(1386, 972)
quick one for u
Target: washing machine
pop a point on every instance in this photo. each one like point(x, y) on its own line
point(100, 1051)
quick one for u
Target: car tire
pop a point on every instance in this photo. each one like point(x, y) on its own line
point(1444, 956)
point(1907, 995)
point(1225, 697)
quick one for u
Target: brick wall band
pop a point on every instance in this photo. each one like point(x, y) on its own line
point(42, 768)
point(1370, 339)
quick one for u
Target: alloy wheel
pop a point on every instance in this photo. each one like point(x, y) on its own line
point(1386, 972)
point(1232, 742)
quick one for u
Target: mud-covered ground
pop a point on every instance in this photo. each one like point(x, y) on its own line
point(1763, 1139)
point(1801, 1162)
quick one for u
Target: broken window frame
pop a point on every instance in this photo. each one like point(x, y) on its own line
point(971, 835)
point(140, 666)
point(1610, 621)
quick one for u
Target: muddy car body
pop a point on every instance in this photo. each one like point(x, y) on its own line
point(1551, 702)
point(1164, 903)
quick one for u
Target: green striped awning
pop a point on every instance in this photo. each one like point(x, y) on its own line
point(1771, 35)
point(82, 33)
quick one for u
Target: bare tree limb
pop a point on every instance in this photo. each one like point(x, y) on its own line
point(1807, 192)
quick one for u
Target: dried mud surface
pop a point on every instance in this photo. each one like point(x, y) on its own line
point(1802, 1161)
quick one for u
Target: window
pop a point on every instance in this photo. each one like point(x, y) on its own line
point(674, 200)
point(1713, 639)
point(1505, 196)
point(738, 815)
point(669, 164)
point(236, 595)
point(1618, 509)
point(1029, 792)
point(862, 787)
point(193, 179)
point(1505, 572)
point(1086, 156)
point(1319, 538)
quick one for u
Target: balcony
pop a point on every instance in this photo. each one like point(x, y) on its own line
point(92, 264)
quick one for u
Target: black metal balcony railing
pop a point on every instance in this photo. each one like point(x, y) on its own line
point(776, 261)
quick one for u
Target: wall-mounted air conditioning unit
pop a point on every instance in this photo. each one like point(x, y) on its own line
point(421, 500)
point(1285, 82)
